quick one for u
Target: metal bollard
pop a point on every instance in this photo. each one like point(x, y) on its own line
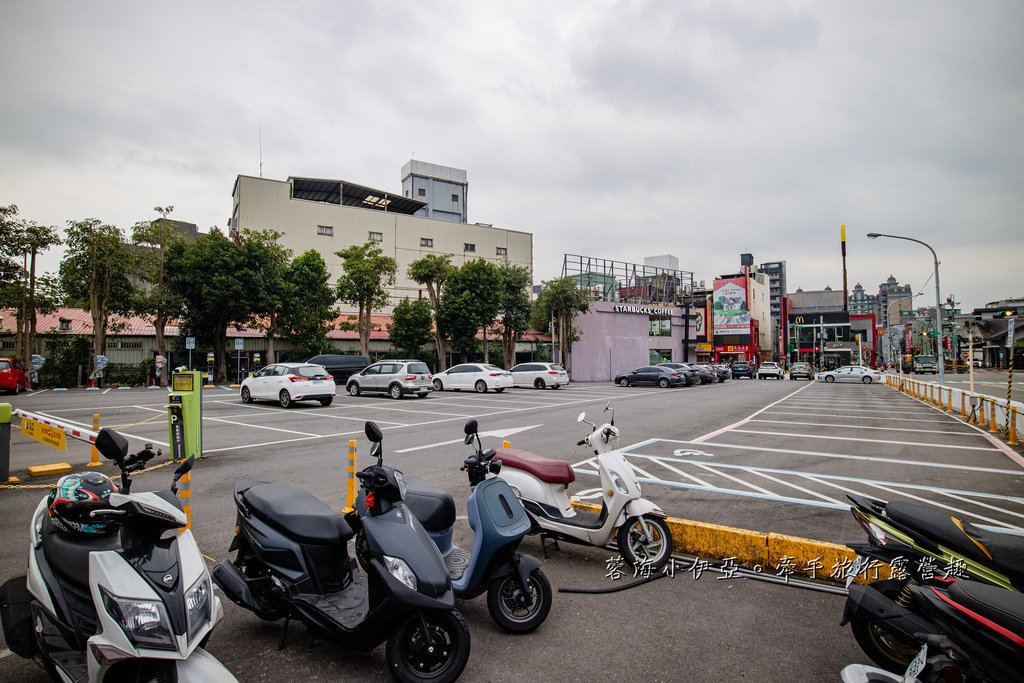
point(185, 497)
point(350, 493)
point(949, 403)
point(1012, 420)
point(963, 405)
point(506, 444)
point(992, 426)
point(94, 455)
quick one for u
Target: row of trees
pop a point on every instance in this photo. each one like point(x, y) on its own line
point(254, 282)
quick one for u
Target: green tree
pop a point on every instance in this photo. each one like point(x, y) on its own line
point(562, 300)
point(363, 284)
point(470, 303)
point(309, 302)
point(514, 308)
point(434, 271)
point(94, 274)
point(10, 253)
point(411, 329)
point(157, 301)
point(269, 295)
point(219, 283)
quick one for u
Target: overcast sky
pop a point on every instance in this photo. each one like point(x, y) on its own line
point(610, 129)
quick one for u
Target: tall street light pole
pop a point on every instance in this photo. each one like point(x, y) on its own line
point(938, 301)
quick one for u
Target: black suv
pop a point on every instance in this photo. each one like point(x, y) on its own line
point(742, 368)
point(340, 365)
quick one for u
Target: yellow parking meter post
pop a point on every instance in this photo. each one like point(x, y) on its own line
point(185, 414)
point(350, 493)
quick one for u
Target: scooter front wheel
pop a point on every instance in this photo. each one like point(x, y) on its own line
point(515, 612)
point(439, 655)
point(639, 550)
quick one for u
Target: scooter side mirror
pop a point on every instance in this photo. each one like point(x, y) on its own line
point(469, 439)
point(112, 445)
point(581, 417)
point(471, 427)
point(373, 432)
point(375, 450)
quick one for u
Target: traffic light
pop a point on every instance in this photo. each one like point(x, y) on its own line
point(1004, 314)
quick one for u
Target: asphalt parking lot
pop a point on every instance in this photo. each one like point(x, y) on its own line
point(762, 455)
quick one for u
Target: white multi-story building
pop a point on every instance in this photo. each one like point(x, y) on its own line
point(332, 215)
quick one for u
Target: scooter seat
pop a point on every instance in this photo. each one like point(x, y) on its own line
point(68, 555)
point(1005, 608)
point(1001, 551)
point(433, 507)
point(546, 469)
point(297, 513)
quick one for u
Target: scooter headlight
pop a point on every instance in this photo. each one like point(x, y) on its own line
point(198, 604)
point(400, 570)
point(619, 483)
point(145, 622)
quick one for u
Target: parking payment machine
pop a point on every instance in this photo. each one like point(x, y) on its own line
point(185, 414)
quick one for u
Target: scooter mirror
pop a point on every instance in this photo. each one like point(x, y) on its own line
point(470, 428)
point(373, 432)
point(469, 439)
point(608, 406)
point(112, 445)
point(581, 417)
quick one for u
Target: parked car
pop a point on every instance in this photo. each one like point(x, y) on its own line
point(479, 377)
point(707, 375)
point(977, 363)
point(770, 369)
point(341, 366)
point(690, 375)
point(850, 373)
point(396, 378)
point(742, 368)
point(723, 372)
point(287, 383)
point(652, 375)
point(801, 370)
point(539, 375)
point(12, 376)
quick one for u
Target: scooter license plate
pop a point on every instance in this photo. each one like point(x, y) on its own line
point(855, 569)
point(916, 665)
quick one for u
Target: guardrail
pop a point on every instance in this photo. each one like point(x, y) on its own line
point(998, 415)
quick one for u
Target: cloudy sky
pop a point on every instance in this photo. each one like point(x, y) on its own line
point(612, 129)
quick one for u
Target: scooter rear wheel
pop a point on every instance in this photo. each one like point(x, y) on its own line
point(637, 551)
point(505, 603)
point(439, 656)
point(888, 650)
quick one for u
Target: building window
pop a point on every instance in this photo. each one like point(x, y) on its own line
point(131, 345)
point(65, 325)
point(325, 230)
point(502, 251)
point(469, 247)
point(7, 344)
point(426, 242)
point(455, 199)
point(422, 192)
point(661, 326)
point(376, 236)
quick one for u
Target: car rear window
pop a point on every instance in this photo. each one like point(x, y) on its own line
point(310, 371)
point(558, 368)
point(5, 365)
point(419, 369)
point(494, 368)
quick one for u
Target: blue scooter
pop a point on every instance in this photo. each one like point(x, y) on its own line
point(518, 593)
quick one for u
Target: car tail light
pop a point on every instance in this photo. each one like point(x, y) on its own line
point(430, 376)
point(675, 374)
point(296, 378)
point(409, 378)
point(552, 372)
point(497, 374)
point(330, 377)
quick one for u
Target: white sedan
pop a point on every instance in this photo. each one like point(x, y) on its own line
point(478, 377)
point(287, 383)
point(850, 373)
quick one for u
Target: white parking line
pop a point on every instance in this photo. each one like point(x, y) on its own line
point(852, 438)
point(866, 417)
point(254, 426)
point(854, 426)
point(711, 435)
point(888, 411)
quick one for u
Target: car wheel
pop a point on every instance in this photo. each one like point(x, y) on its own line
point(421, 395)
point(539, 383)
point(480, 386)
point(438, 386)
point(830, 378)
point(285, 399)
point(663, 383)
point(866, 380)
point(353, 389)
point(327, 401)
point(395, 391)
point(246, 396)
point(498, 391)
point(623, 382)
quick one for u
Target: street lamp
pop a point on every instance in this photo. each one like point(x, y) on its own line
point(938, 300)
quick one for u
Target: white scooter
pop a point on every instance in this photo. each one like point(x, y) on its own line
point(135, 606)
point(542, 484)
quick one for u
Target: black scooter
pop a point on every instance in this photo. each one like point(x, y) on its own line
point(292, 561)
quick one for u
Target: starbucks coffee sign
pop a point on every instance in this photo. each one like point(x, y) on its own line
point(644, 310)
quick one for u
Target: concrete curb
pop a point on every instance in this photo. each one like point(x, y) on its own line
point(767, 552)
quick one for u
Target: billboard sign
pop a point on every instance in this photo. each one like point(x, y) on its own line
point(729, 305)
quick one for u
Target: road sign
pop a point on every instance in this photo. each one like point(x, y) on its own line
point(1009, 332)
point(239, 344)
point(43, 433)
point(964, 355)
point(190, 343)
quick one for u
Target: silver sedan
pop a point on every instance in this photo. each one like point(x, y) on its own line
point(850, 373)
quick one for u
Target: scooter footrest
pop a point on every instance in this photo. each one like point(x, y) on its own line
point(457, 562)
point(348, 607)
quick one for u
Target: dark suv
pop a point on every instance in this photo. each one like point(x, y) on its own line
point(340, 365)
point(742, 368)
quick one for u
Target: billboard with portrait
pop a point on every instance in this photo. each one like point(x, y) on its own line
point(729, 307)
